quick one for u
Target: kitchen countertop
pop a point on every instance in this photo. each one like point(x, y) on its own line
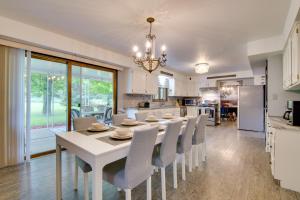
point(280, 123)
point(153, 108)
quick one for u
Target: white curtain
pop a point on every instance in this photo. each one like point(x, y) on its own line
point(12, 132)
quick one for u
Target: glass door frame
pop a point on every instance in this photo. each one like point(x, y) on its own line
point(90, 66)
point(69, 64)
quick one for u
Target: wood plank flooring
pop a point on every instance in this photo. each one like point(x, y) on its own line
point(237, 169)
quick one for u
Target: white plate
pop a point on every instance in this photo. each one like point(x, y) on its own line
point(114, 135)
point(130, 124)
point(105, 128)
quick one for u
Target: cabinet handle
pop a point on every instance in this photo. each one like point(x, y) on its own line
point(271, 133)
point(270, 146)
point(270, 162)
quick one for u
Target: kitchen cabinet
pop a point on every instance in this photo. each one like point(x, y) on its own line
point(141, 82)
point(208, 83)
point(183, 87)
point(151, 83)
point(291, 60)
point(283, 144)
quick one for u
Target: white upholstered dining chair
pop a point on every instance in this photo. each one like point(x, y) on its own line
point(117, 119)
point(185, 144)
point(83, 123)
point(165, 154)
point(199, 141)
point(131, 171)
point(141, 116)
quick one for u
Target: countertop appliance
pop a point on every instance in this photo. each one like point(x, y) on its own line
point(294, 108)
point(189, 102)
point(144, 104)
point(251, 108)
point(286, 114)
point(212, 111)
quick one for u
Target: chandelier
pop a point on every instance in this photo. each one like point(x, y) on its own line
point(149, 62)
point(201, 68)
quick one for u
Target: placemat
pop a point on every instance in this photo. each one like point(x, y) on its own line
point(88, 133)
point(111, 141)
point(115, 142)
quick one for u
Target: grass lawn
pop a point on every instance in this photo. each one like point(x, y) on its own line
point(38, 119)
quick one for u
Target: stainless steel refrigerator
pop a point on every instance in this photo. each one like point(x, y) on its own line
point(251, 108)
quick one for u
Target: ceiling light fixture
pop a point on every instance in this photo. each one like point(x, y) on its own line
point(201, 68)
point(149, 62)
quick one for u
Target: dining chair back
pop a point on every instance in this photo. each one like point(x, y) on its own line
point(82, 123)
point(185, 143)
point(168, 146)
point(118, 119)
point(199, 135)
point(138, 165)
point(141, 116)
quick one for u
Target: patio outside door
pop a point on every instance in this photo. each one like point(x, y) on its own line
point(92, 93)
point(48, 103)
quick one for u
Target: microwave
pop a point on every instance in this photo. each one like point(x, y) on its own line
point(189, 102)
point(294, 108)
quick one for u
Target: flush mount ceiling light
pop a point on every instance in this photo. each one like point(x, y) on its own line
point(201, 68)
point(149, 62)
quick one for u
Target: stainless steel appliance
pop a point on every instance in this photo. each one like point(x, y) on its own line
point(294, 108)
point(189, 102)
point(211, 111)
point(144, 104)
point(251, 108)
point(286, 114)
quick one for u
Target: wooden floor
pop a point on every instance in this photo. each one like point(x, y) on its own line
point(237, 168)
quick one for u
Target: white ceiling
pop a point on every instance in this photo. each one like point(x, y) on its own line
point(214, 31)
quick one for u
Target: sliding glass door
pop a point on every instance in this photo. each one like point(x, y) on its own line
point(48, 103)
point(62, 90)
point(92, 93)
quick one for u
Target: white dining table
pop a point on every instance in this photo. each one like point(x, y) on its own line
point(95, 152)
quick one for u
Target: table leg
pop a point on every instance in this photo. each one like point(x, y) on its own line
point(58, 172)
point(97, 183)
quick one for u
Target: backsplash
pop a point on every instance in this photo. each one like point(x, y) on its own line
point(132, 100)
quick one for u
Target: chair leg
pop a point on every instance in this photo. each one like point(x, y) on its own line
point(128, 194)
point(76, 175)
point(119, 189)
point(86, 185)
point(149, 192)
point(197, 155)
point(204, 151)
point(183, 166)
point(175, 174)
point(163, 183)
point(191, 160)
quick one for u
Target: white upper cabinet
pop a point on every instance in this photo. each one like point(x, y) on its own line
point(151, 83)
point(291, 61)
point(207, 83)
point(295, 54)
point(141, 82)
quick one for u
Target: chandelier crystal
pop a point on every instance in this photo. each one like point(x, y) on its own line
point(201, 68)
point(148, 61)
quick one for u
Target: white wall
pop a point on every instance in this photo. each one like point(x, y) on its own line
point(31, 35)
point(277, 97)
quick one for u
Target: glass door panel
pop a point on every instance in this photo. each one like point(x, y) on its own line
point(92, 93)
point(48, 103)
